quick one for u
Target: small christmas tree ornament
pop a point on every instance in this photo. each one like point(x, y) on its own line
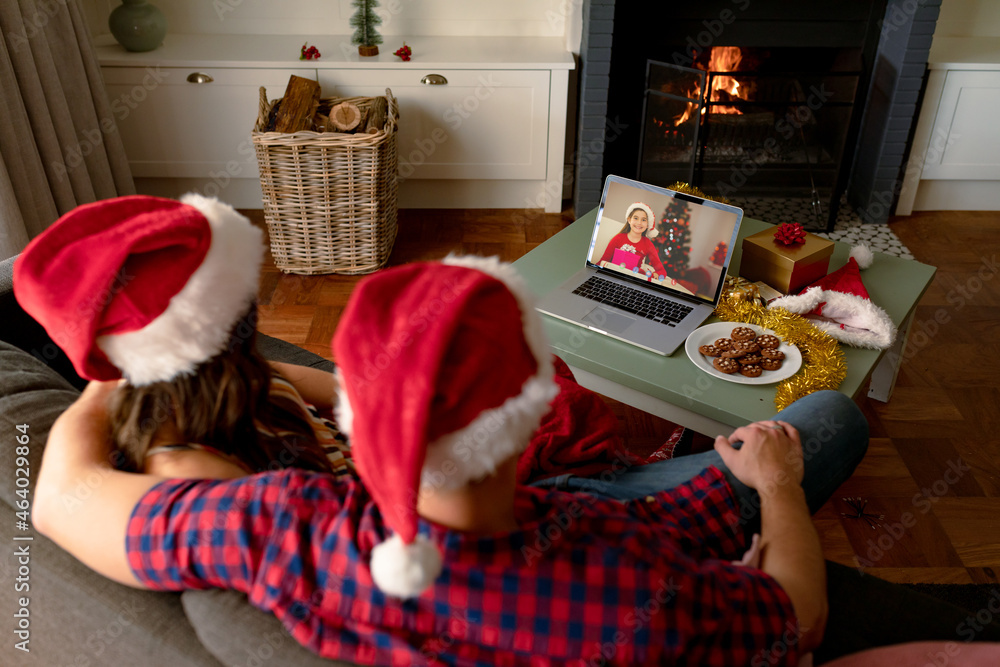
point(719, 254)
point(364, 21)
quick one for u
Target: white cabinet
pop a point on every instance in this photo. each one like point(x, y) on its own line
point(966, 124)
point(190, 122)
point(954, 160)
point(470, 124)
point(492, 136)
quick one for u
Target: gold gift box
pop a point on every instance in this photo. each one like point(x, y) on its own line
point(785, 268)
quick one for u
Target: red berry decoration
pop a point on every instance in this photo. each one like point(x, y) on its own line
point(403, 52)
point(790, 233)
point(310, 53)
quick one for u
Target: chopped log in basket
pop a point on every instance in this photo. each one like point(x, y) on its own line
point(298, 106)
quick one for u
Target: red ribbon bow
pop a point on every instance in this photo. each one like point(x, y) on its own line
point(790, 233)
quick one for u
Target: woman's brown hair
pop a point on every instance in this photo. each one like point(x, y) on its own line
point(220, 405)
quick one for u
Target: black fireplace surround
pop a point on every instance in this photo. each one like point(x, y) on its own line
point(821, 89)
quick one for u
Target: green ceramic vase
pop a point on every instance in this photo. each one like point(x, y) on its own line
point(138, 25)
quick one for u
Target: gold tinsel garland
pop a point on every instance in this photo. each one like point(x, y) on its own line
point(680, 186)
point(823, 363)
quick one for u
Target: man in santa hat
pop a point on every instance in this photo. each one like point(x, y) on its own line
point(444, 373)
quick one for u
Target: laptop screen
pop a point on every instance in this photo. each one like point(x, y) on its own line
point(664, 239)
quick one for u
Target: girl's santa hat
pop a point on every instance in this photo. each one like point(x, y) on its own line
point(652, 232)
point(839, 304)
point(443, 373)
point(141, 287)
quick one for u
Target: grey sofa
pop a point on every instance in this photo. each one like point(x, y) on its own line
point(79, 618)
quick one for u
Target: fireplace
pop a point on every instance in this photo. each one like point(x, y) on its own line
point(753, 121)
point(766, 99)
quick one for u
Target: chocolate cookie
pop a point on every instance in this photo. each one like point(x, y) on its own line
point(726, 365)
point(751, 370)
point(734, 352)
point(770, 364)
point(752, 358)
point(768, 342)
point(710, 350)
point(772, 354)
point(743, 333)
point(748, 346)
point(723, 344)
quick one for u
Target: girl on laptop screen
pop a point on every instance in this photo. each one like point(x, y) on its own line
point(631, 248)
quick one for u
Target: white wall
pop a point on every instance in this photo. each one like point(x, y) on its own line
point(969, 18)
point(520, 18)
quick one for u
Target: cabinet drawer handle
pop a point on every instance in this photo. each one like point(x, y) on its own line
point(434, 80)
point(199, 77)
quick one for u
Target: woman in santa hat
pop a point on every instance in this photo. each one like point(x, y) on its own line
point(161, 294)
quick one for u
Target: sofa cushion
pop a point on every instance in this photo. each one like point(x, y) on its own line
point(76, 616)
point(31, 395)
point(237, 633)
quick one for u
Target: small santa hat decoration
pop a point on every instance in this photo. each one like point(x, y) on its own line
point(652, 232)
point(141, 287)
point(840, 305)
point(443, 373)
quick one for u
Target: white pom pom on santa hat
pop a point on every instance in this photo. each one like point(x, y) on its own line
point(405, 570)
point(863, 255)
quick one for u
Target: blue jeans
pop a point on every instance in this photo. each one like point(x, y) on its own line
point(834, 436)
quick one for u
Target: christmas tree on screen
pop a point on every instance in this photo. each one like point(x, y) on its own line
point(719, 254)
point(673, 239)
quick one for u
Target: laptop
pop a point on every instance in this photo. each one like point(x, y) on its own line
point(650, 292)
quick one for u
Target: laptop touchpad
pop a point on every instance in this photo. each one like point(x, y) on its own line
point(608, 320)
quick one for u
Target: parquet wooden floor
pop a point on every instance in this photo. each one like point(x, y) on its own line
point(933, 467)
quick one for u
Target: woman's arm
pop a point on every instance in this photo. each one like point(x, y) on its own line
point(81, 502)
point(315, 386)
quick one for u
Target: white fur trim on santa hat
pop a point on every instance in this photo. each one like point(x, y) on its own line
point(848, 318)
point(652, 232)
point(343, 413)
point(196, 325)
point(405, 570)
point(474, 451)
point(863, 255)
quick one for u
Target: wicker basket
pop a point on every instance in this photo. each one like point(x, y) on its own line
point(329, 197)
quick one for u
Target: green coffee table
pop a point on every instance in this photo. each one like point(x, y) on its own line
point(672, 387)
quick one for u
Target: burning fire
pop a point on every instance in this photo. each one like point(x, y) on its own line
point(724, 59)
point(724, 88)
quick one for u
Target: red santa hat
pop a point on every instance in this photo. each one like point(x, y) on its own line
point(141, 287)
point(839, 304)
point(443, 373)
point(652, 232)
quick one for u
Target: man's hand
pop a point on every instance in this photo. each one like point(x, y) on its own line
point(771, 455)
point(770, 461)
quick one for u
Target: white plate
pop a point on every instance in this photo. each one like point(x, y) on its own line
point(710, 333)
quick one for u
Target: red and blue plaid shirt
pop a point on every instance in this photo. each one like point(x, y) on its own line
point(584, 582)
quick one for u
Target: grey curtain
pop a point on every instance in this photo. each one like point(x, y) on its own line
point(59, 146)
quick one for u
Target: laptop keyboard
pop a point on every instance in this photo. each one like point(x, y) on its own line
point(634, 301)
